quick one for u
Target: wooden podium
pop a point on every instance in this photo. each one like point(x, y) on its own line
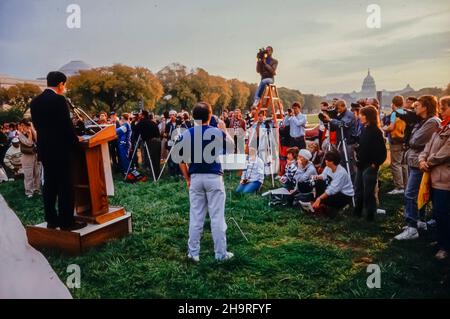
point(93, 184)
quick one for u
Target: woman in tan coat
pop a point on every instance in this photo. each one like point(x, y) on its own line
point(30, 165)
point(435, 159)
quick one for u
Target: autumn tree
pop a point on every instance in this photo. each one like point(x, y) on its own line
point(115, 88)
point(240, 94)
point(20, 95)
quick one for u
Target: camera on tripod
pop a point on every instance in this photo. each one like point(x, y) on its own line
point(268, 124)
point(262, 54)
point(330, 111)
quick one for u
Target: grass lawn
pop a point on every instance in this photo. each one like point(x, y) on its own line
point(313, 119)
point(289, 255)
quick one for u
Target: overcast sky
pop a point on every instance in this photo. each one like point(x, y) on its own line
point(322, 45)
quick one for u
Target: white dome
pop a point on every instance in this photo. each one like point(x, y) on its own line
point(73, 67)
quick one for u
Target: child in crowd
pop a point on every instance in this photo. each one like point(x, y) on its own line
point(287, 180)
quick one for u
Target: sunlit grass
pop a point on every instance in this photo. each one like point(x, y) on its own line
point(288, 255)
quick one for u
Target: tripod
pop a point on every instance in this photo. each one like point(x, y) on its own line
point(134, 154)
point(269, 153)
point(170, 153)
point(347, 164)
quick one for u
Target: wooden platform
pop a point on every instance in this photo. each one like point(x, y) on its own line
point(78, 241)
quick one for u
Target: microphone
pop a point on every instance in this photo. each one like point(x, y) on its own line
point(69, 103)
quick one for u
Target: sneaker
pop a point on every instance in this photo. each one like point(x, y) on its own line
point(193, 258)
point(408, 234)
point(381, 211)
point(441, 255)
point(431, 223)
point(228, 256)
point(422, 225)
point(396, 191)
point(307, 206)
point(30, 196)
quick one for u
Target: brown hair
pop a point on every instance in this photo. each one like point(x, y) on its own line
point(429, 102)
point(126, 116)
point(371, 114)
point(411, 98)
point(293, 151)
point(296, 104)
point(445, 101)
point(398, 101)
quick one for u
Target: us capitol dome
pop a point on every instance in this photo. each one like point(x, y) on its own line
point(369, 88)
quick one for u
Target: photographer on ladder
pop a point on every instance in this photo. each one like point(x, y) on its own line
point(266, 66)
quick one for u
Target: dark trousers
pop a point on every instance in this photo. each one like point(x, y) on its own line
point(298, 141)
point(114, 155)
point(365, 183)
point(337, 201)
point(154, 149)
point(58, 184)
point(441, 211)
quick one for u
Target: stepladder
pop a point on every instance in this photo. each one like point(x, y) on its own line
point(271, 104)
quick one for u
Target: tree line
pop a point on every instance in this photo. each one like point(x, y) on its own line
point(122, 88)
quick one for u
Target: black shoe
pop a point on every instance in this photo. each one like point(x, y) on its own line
point(74, 226)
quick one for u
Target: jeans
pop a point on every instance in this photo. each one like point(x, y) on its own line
point(251, 187)
point(207, 195)
point(441, 211)
point(365, 183)
point(411, 194)
point(261, 87)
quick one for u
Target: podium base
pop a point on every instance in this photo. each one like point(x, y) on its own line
point(77, 241)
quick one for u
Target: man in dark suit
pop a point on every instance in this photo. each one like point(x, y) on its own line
point(56, 142)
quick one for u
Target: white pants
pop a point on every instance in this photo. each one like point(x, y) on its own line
point(207, 194)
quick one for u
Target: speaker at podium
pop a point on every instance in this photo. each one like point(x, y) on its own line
point(93, 183)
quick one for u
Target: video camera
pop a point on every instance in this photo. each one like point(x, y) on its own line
point(330, 111)
point(262, 54)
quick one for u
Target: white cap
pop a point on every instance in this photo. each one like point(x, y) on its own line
point(15, 140)
point(305, 154)
point(173, 112)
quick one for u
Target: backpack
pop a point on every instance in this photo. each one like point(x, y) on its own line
point(398, 133)
point(135, 176)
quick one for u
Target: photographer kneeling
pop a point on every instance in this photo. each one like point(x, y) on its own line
point(266, 66)
point(339, 191)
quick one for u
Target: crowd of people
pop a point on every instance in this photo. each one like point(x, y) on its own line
point(338, 168)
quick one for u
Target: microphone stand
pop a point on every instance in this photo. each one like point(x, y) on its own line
point(78, 111)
